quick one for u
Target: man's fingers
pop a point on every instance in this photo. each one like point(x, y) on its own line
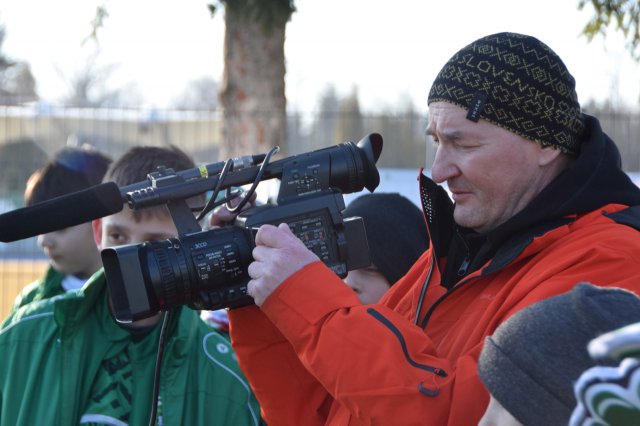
point(254, 267)
point(259, 253)
point(270, 236)
point(261, 236)
point(277, 255)
point(220, 217)
point(284, 227)
point(250, 202)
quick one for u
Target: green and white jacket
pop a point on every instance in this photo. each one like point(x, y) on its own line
point(65, 361)
point(48, 286)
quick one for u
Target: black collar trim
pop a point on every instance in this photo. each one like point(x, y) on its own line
point(513, 247)
point(629, 216)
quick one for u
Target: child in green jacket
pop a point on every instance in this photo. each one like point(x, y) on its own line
point(72, 252)
point(66, 360)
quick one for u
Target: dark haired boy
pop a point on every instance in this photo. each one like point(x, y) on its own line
point(68, 361)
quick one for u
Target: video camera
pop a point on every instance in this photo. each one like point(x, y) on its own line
point(208, 269)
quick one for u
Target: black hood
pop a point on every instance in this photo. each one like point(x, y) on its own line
point(592, 180)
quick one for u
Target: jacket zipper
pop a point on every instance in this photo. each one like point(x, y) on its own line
point(462, 270)
point(424, 290)
point(427, 316)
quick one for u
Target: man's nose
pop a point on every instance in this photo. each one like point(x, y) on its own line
point(443, 168)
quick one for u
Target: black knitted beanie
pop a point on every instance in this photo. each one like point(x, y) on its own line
point(396, 231)
point(518, 83)
point(532, 360)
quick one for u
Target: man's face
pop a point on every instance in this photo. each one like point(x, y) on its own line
point(492, 173)
point(122, 228)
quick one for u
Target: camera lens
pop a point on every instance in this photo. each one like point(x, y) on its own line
point(206, 270)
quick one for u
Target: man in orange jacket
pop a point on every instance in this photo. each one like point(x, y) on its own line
point(539, 204)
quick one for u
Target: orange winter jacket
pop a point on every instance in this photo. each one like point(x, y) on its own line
point(314, 355)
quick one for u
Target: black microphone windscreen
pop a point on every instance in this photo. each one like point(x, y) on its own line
point(61, 212)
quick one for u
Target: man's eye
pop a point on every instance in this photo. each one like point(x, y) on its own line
point(466, 146)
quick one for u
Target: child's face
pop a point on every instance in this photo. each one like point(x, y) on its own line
point(122, 228)
point(368, 283)
point(72, 250)
point(497, 415)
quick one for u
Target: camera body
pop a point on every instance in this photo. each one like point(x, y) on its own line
point(208, 269)
point(340, 243)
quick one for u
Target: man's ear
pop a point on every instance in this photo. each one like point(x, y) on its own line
point(548, 155)
point(97, 232)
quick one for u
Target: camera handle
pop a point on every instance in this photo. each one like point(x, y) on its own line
point(180, 211)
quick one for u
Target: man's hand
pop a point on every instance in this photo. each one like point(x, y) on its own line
point(278, 254)
point(222, 216)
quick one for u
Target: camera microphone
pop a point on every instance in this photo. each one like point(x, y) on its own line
point(92, 203)
point(61, 212)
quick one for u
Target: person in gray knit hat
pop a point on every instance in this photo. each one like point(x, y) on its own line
point(397, 236)
point(536, 202)
point(531, 362)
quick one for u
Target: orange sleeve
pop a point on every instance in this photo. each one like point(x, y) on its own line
point(315, 355)
point(368, 359)
point(288, 394)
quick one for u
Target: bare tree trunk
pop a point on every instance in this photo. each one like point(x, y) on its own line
point(252, 93)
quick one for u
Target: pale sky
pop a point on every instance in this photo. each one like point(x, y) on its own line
point(390, 50)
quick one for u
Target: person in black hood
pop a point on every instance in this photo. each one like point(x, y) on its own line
point(538, 204)
point(396, 235)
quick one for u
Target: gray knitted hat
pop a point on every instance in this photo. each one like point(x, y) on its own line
point(396, 231)
point(518, 83)
point(532, 360)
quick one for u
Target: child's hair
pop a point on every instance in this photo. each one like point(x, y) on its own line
point(396, 231)
point(71, 169)
point(135, 164)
